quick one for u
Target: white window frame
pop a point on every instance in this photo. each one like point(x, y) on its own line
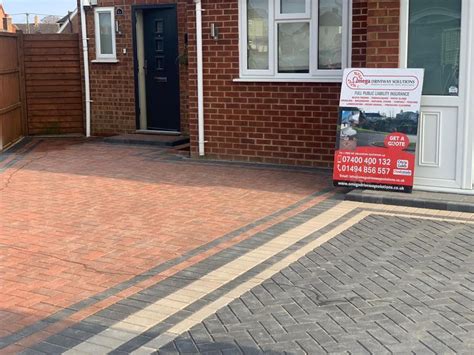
point(275, 17)
point(280, 16)
point(108, 58)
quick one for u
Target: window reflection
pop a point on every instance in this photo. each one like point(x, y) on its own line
point(257, 34)
point(293, 47)
point(293, 6)
point(105, 26)
point(434, 43)
point(330, 34)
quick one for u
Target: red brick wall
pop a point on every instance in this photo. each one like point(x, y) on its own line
point(359, 33)
point(283, 123)
point(383, 27)
point(112, 85)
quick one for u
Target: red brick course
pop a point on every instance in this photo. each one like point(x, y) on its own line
point(359, 33)
point(383, 27)
point(79, 218)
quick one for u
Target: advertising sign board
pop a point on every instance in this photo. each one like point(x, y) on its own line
point(377, 128)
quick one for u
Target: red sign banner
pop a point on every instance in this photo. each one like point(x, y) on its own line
point(377, 129)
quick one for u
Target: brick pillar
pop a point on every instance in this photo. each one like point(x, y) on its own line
point(359, 33)
point(383, 33)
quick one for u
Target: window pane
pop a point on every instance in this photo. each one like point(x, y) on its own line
point(293, 6)
point(434, 44)
point(159, 45)
point(293, 47)
point(257, 34)
point(330, 34)
point(160, 63)
point(105, 24)
point(159, 26)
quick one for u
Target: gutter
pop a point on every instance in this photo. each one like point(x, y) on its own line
point(85, 52)
point(200, 79)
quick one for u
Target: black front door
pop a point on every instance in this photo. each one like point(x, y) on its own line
point(162, 68)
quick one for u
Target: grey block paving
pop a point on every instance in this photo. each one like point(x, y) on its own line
point(386, 285)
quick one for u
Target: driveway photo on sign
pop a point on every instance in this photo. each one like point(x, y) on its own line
point(369, 129)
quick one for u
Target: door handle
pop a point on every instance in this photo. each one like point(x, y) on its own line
point(145, 67)
point(161, 79)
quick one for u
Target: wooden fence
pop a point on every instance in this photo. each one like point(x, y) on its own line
point(53, 84)
point(40, 86)
point(12, 94)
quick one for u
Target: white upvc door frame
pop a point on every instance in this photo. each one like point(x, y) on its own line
point(464, 160)
point(468, 159)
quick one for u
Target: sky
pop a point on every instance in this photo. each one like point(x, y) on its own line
point(47, 7)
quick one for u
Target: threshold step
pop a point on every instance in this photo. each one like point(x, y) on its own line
point(151, 139)
point(418, 199)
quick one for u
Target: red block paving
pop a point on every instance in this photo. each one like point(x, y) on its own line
point(78, 217)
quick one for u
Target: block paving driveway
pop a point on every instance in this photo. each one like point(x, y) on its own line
point(125, 249)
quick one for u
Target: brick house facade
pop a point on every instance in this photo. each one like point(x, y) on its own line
point(112, 84)
point(282, 123)
point(291, 123)
point(69, 23)
point(6, 24)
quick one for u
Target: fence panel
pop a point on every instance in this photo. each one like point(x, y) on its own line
point(12, 111)
point(53, 84)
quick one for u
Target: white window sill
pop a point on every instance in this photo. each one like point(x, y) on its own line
point(109, 61)
point(329, 79)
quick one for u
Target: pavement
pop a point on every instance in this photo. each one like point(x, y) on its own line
point(130, 249)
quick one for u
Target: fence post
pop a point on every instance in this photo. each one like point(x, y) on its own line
point(22, 79)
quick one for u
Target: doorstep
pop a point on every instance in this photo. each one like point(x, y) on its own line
point(418, 199)
point(148, 139)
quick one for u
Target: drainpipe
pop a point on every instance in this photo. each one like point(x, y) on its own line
point(200, 80)
point(85, 52)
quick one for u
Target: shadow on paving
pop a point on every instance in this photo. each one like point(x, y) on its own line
point(153, 165)
point(217, 347)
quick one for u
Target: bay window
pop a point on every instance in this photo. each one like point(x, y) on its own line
point(294, 40)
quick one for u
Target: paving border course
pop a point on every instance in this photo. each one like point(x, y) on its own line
point(159, 334)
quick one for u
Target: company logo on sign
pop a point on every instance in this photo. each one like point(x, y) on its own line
point(402, 164)
point(357, 80)
point(402, 172)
